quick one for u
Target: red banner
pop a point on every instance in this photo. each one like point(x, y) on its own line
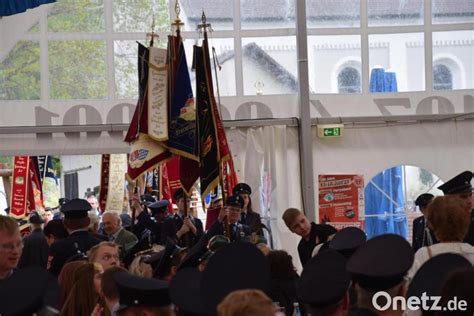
point(35, 194)
point(104, 181)
point(341, 198)
point(173, 170)
point(19, 186)
point(165, 189)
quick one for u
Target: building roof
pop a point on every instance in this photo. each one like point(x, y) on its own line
point(284, 9)
point(268, 63)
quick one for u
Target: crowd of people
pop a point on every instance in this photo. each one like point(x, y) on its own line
point(89, 262)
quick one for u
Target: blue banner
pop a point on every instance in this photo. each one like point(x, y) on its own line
point(182, 128)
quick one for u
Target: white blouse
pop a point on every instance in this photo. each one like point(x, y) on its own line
point(422, 255)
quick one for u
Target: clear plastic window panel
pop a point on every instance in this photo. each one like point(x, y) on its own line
point(452, 11)
point(77, 69)
point(20, 72)
point(334, 64)
point(126, 63)
point(219, 13)
point(396, 62)
point(453, 62)
point(137, 15)
point(77, 16)
point(395, 12)
point(332, 13)
point(267, 14)
point(390, 199)
point(269, 65)
point(225, 54)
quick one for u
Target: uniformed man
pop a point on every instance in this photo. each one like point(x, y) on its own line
point(236, 266)
point(324, 284)
point(142, 296)
point(422, 234)
point(231, 213)
point(183, 228)
point(460, 187)
point(139, 205)
point(79, 241)
point(215, 244)
point(247, 215)
point(347, 241)
point(154, 221)
point(311, 234)
point(35, 246)
point(169, 262)
point(380, 265)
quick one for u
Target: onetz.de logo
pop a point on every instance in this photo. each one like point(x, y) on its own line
point(414, 303)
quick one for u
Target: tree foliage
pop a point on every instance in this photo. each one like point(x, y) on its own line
point(78, 67)
point(20, 73)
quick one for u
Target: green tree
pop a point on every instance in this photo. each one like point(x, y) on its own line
point(78, 67)
point(426, 177)
point(20, 72)
point(6, 161)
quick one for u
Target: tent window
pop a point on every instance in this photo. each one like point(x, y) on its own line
point(348, 80)
point(442, 78)
point(390, 199)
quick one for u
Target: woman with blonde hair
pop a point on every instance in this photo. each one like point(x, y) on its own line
point(85, 292)
point(449, 220)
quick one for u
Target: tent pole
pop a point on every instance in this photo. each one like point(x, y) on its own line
point(305, 139)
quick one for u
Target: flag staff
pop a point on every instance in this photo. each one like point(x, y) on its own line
point(152, 34)
point(177, 22)
point(203, 28)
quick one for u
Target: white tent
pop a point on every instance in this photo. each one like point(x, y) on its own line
point(282, 76)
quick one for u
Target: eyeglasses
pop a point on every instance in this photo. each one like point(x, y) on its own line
point(12, 246)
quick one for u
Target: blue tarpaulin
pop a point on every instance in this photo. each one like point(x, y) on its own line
point(384, 197)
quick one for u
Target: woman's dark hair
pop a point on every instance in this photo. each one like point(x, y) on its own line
point(56, 228)
point(281, 265)
point(249, 206)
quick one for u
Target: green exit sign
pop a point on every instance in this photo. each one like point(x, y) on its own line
point(328, 131)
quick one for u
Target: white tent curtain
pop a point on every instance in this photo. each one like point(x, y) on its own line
point(267, 158)
point(444, 148)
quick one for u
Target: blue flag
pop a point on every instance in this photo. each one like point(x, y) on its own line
point(182, 128)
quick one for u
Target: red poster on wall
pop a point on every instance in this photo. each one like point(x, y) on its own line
point(341, 199)
point(18, 202)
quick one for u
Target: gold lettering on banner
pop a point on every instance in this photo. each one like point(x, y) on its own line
point(157, 91)
point(117, 170)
